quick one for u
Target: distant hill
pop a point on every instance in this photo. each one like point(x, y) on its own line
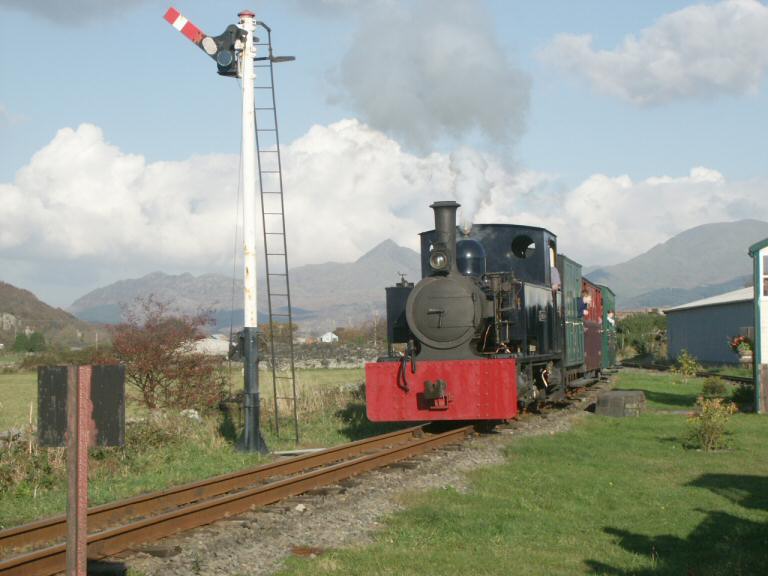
point(21, 311)
point(324, 296)
point(697, 263)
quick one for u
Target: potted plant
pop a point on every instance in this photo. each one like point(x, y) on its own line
point(743, 347)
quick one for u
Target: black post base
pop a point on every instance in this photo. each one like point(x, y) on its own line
point(252, 440)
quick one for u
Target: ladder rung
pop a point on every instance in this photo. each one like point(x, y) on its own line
point(270, 171)
point(275, 233)
point(271, 192)
point(277, 274)
point(266, 129)
point(269, 151)
point(273, 213)
point(263, 108)
point(262, 87)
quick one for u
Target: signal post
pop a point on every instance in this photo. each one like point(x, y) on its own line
point(234, 53)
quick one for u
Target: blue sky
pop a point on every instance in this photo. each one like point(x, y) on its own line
point(661, 89)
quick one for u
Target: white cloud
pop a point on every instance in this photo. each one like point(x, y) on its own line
point(83, 204)
point(428, 70)
point(608, 219)
point(80, 197)
point(699, 51)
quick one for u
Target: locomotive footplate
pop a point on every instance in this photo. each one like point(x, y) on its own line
point(441, 390)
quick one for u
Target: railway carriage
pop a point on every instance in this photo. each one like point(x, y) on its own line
point(496, 323)
point(592, 314)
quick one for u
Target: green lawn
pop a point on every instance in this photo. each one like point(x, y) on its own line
point(663, 390)
point(613, 496)
point(17, 393)
point(331, 412)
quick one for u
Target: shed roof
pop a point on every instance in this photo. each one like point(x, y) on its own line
point(740, 295)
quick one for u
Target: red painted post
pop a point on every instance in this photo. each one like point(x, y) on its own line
point(78, 432)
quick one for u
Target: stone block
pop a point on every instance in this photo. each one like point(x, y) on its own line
point(620, 403)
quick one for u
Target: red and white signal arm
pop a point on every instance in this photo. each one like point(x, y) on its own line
point(197, 36)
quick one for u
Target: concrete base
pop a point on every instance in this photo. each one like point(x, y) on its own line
point(620, 403)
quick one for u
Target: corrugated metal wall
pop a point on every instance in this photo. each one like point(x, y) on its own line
point(705, 331)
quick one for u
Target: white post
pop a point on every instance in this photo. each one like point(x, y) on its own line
point(252, 439)
point(247, 76)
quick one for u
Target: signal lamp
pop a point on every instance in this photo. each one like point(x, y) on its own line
point(224, 58)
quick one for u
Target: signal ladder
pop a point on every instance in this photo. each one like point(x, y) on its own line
point(280, 337)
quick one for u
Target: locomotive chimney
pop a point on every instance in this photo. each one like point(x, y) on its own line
point(445, 229)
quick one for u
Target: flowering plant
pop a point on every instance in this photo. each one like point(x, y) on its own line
point(741, 344)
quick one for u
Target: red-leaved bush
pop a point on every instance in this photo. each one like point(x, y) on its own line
point(157, 349)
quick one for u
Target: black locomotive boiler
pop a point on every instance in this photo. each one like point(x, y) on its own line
point(482, 334)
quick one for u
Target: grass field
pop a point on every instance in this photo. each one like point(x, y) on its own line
point(173, 450)
point(17, 393)
point(663, 391)
point(613, 496)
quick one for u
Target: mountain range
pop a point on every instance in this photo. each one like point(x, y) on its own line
point(703, 261)
point(697, 263)
point(324, 296)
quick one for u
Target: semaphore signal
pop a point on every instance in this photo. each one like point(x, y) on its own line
point(234, 51)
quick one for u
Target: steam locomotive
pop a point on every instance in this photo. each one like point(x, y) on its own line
point(499, 321)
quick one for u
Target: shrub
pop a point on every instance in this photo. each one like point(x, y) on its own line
point(643, 332)
point(26, 468)
point(714, 387)
point(687, 365)
point(157, 348)
point(743, 394)
point(707, 426)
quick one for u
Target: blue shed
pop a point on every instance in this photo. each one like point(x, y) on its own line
point(704, 327)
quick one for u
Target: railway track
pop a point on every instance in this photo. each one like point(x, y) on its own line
point(40, 550)
point(703, 373)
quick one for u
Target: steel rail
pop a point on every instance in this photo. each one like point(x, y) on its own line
point(51, 560)
point(99, 517)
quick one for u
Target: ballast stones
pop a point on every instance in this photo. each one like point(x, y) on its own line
point(620, 403)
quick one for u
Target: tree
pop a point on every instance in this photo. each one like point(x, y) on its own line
point(157, 348)
point(643, 331)
point(36, 342)
point(21, 344)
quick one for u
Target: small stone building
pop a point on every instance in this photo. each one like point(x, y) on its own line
point(705, 327)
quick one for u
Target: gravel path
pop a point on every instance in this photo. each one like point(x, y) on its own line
point(257, 543)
